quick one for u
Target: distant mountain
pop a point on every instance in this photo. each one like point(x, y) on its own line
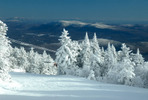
point(47, 34)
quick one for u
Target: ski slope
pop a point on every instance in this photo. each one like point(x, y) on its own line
point(42, 87)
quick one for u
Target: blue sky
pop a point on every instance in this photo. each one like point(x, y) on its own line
point(104, 10)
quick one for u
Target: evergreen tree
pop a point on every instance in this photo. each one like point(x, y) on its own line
point(141, 70)
point(85, 56)
point(138, 61)
point(47, 65)
point(34, 61)
point(23, 58)
point(96, 57)
point(125, 67)
point(110, 59)
point(125, 52)
point(75, 49)
point(4, 53)
point(110, 63)
point(13, 58)
point(137, 58)
point(19, 58)
point(66, 55)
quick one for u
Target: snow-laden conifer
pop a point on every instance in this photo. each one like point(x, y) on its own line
point(125, 67)
point(110, 59)
point(34, 62)
point(66, 55)
point(140, 70)
point(47, 65)
point(19, 58)
point(96, 57)
point(137, 58)
point(85, 54)
point(4, 53)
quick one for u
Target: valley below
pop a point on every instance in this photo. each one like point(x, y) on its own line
point(46, 35)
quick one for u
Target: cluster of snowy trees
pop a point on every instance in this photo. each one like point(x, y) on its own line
point(32, 61)
point(84, 59)
point(19, 58)
point(87, 59)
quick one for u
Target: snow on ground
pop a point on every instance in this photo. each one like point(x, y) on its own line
point(42, 87)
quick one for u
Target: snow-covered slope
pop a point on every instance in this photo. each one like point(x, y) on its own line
point(42, 87)
point(31, 45)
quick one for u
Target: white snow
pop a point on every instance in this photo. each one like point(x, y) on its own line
point(30, 45)
point(96, 25)
point(42, 87)
point(67, 23)
point(103, 26)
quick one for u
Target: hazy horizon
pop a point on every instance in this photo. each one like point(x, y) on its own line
point(90, 10)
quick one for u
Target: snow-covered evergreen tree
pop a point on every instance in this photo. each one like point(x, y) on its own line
point(138, 61)
point(85, 57)
point(47, 65)
point(4, 53)
point(34, 62)
point(124, 53)
point(137, 58)
point(66, 55)
point(110, 59)
point(13, 58)
point(96, 57)
point(19, 58)
point(76, 51)
point(125, 67)
point(141, 70)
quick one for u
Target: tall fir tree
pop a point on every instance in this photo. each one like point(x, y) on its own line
point(4, 53)
point(125, 66)
point(85, 57)
point(96, 57)
point(66, 55)
point(110, 59)
point(110, 63)
point(140, 70)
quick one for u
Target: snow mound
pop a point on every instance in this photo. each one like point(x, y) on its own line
point(18, 70)
point(12, 85)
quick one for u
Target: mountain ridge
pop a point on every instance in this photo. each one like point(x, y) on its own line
point(45, 34)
